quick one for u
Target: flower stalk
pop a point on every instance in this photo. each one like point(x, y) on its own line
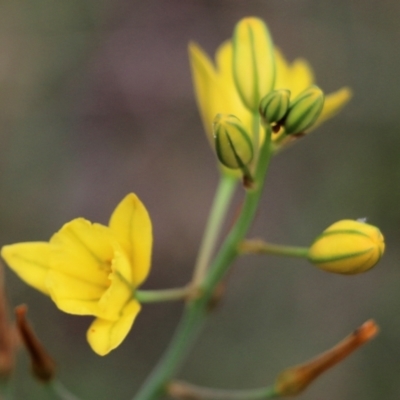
point(259, 246)
point(156, 296)
point(195, 311)
point(180, 390)
point(58, 389)
point(219, 209)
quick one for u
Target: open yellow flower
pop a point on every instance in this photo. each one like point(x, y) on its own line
point(92, 269)
point(216, 91)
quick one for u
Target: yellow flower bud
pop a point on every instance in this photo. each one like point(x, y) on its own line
point(274, 105)
point(304, 110)
point(347, 247)
point(253, 61)
point(232, 142)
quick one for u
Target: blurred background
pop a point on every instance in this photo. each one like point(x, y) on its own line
point(96, 101)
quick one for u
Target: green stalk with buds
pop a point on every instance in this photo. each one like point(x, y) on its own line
point(97, 270)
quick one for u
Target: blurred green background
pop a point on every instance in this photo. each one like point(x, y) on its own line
point(96, 101)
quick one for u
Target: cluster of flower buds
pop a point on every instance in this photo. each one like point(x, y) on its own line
point(233, 142)
point(254, 77)
point(251, 76)
point(294, 116)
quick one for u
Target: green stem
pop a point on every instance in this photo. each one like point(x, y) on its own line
point(185, 333)
point(256, 134)
point(256, 246)
point(217, 215)
point(183, 390)
point(60, 390)
point(153, 296)
point(6, 389)
point(229, 249)
point(195, 311)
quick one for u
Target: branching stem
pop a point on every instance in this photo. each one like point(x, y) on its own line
point(195, 310)
point(258, 246)
point(182, 391)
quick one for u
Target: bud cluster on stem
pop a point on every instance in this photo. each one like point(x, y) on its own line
point(252, 103)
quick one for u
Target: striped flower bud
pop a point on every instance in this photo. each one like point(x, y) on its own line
point(347, 247)
point(304, 110)
point(253, 61)
point(274, 105)
point(232, 142)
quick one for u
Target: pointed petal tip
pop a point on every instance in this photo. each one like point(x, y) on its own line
point(30, 261)
point(104, 336)
point(131, 223)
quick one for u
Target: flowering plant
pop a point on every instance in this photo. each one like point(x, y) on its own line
point(253, 103)
point(91, 269)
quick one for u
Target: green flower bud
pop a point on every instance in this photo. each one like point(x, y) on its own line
point(347, 247)
point(304, 110)
point(253, 61)
point(274, 105)
point(232, 142)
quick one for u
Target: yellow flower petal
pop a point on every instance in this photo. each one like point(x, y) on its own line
point(205, 86)
point(121, 291)
point(253, 61)
point(132, 227)
point(74, 296)
point(282, 71)
point(104, 336)
point(81, 257)
point(30, 261)
point(83, 251)
point(334, 102)
point(215, 90)
point(295, 77)
point(228, 100)
point(298, 76)
point(223, 60)
point(301, 76)
point(91, 274)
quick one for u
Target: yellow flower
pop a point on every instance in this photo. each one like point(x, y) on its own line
point(92, 269)
point(347, 247)
point(216, 92)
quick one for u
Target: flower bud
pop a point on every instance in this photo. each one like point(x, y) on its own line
point(253, 61)
point(274, 105)
point(347, 247)
point(304, 110)
point(294, 380)
point(232, 142)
